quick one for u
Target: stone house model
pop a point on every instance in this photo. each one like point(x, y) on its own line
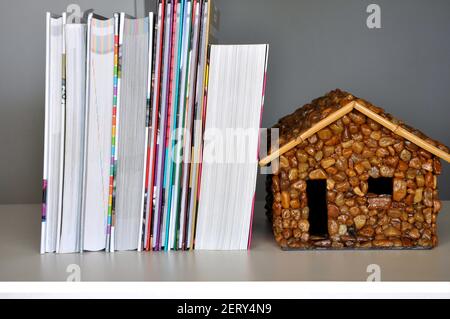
point(349, 175)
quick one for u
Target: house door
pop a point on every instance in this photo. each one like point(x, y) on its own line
point(316, 191)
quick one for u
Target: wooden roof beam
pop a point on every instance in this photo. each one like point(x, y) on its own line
point(402, 132)
point(308, 133)
point(357, 105)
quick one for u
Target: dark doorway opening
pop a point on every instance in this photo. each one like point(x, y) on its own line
point(380, 185)
point(316, 190)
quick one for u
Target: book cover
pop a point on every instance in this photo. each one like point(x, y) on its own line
point(52, 133)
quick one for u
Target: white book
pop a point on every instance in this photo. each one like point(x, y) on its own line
point(99, 102)
point(131, 135)
point(231, 141)
point(75, 43)
point(53, 132)
point(63, 134)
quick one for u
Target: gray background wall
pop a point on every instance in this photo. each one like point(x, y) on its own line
point(315, 46)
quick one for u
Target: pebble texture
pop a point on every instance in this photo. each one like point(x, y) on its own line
point(347, 153)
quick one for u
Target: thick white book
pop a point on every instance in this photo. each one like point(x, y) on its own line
point(98, 124)
point(132, 130)
point(53, 136)
point(75, 45)
point(231, 142)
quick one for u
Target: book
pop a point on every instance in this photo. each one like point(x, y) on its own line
point(159, 223)
point(126, 132)
point(145, 212)
point(132, 130)
point(182, 36)
point(206, 36)
point(75, 44)
point(153, 219)
point(98, 123)
point(185, 130)
point(178, 124)
point(114, 128)
point(171, 106)
point(229, 168)
point(171, 118)
point(53, 135)
point(62, 122)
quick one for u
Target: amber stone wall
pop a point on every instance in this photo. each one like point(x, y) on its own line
point(346, 154)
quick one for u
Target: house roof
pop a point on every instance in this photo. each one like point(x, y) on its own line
point(312, 117)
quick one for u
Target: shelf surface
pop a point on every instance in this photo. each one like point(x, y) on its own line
point(20, 259)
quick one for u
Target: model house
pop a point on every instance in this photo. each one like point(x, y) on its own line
point(346, 174)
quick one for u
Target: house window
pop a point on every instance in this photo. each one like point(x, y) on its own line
point(380, 185)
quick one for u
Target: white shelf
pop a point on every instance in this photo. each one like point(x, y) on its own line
point(20, 259)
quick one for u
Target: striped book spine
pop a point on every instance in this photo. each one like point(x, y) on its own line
point(112, 174)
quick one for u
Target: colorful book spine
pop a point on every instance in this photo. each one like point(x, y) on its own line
point(188, 128)
point(162, 127)
point(169, 174)
point(178, 131)
point(154, 126)
point(198, 135)
point(196, 126)
point(167, 149)
point(114, 129)
point(168, 127)
point(167, 177)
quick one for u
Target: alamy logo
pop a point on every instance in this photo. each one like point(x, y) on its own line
point(374, 19)
point(228, 146)
point(74, 272)
point(375, 272)
point(74, 13)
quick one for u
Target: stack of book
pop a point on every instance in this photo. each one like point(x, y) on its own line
point(129, 106)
